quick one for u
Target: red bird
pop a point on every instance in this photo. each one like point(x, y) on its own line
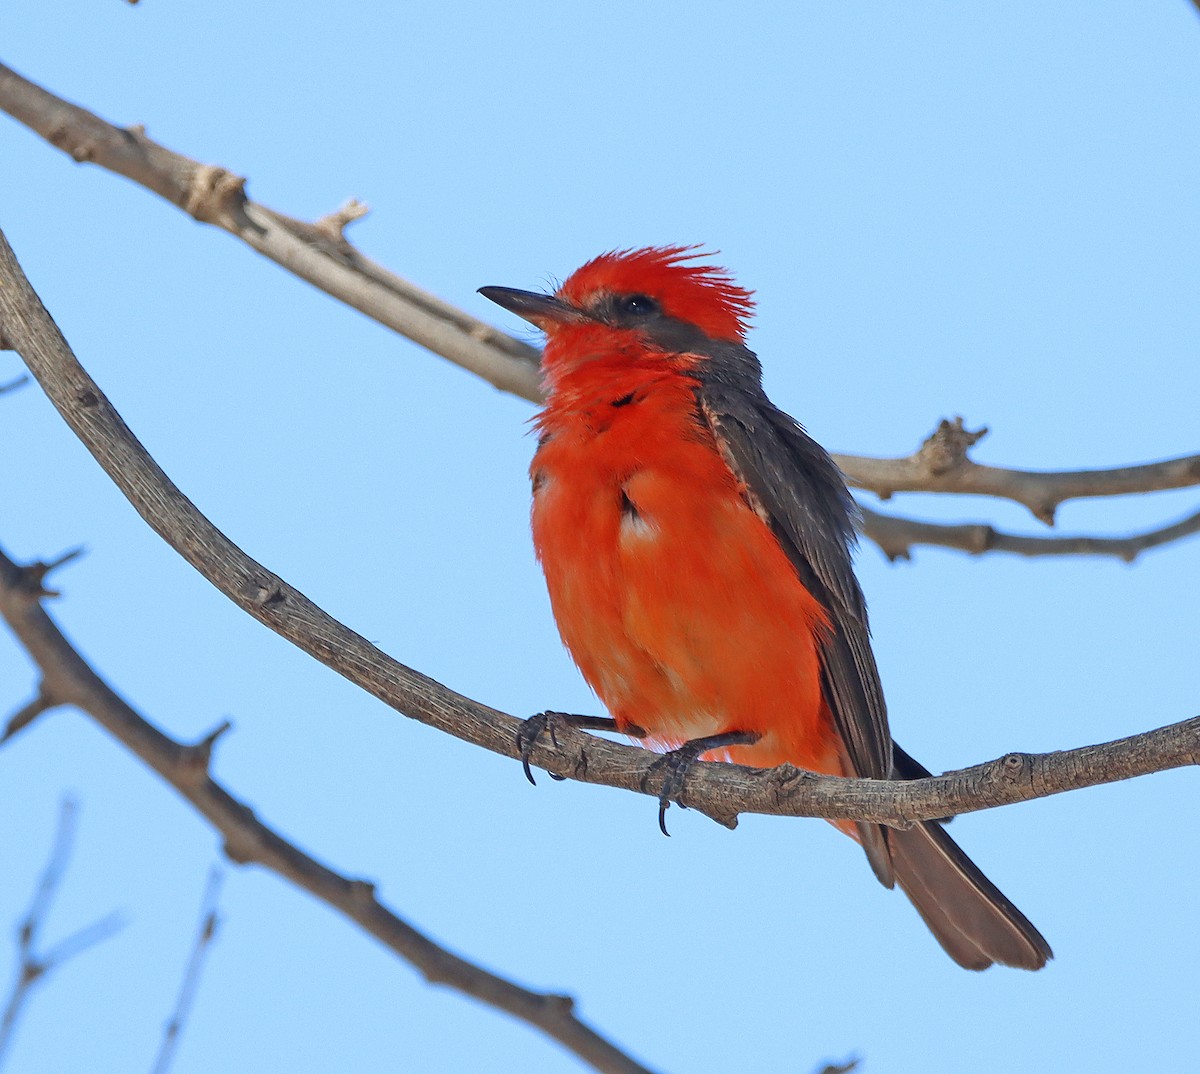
point(697, 548)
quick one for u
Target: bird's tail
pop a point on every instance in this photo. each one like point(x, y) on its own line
point(971, 918)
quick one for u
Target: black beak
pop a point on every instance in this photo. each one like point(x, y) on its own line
point(540, 310)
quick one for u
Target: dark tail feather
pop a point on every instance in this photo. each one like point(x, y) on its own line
point(969, 915)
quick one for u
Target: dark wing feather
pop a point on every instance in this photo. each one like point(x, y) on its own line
point(796, 488)
point(799, 491)
point(801, 494)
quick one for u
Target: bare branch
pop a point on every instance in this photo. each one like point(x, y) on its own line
point(12, 385)
point(191, 975)
point(897, 536)
point(320, 254)
point(249, 840)
point(719, 790)
point(215, 196)
point(34, 967)
point(941, 465)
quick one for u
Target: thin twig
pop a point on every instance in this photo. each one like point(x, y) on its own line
point(898, 536)
point(319, 253)
point(33, 967)
point(249, 840)
point(88, 936)
point(191, 976)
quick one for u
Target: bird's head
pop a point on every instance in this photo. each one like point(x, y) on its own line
point(656, 299)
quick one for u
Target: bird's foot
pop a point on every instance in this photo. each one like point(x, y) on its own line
point(546, 722)
point(675, 765)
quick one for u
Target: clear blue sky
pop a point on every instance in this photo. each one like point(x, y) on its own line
point(983, 209)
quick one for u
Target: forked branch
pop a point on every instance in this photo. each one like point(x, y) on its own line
point(35, 964)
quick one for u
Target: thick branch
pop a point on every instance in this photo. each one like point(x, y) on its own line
point(719, 790)
point(249, 840)
point(320, 254)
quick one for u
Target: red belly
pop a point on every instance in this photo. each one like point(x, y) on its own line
point(674, 598)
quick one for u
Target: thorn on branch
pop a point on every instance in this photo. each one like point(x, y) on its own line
point(946, 447)
point(24, 716)
point(559, 1004)
point(33, 575)
point(840, 1068)
point(214, 195)
point(197, 757)
point(333, 225)
point(1044, 511)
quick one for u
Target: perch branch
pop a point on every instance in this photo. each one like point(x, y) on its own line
point(721, 791)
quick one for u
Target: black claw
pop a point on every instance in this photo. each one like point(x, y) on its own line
point(528, 734)
point(546, 723)
point(527, 770)
point(674, 767)
point(675, 764)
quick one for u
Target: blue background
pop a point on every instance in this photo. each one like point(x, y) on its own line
point(986, 209)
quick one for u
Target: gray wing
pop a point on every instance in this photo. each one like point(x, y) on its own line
point(799, 491)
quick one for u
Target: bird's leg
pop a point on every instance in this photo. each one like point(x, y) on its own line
point(675, 764)
point(545, 722)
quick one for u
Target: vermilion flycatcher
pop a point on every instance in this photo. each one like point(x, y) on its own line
point(697, 548)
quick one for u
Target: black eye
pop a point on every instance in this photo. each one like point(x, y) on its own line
point(637, 305)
